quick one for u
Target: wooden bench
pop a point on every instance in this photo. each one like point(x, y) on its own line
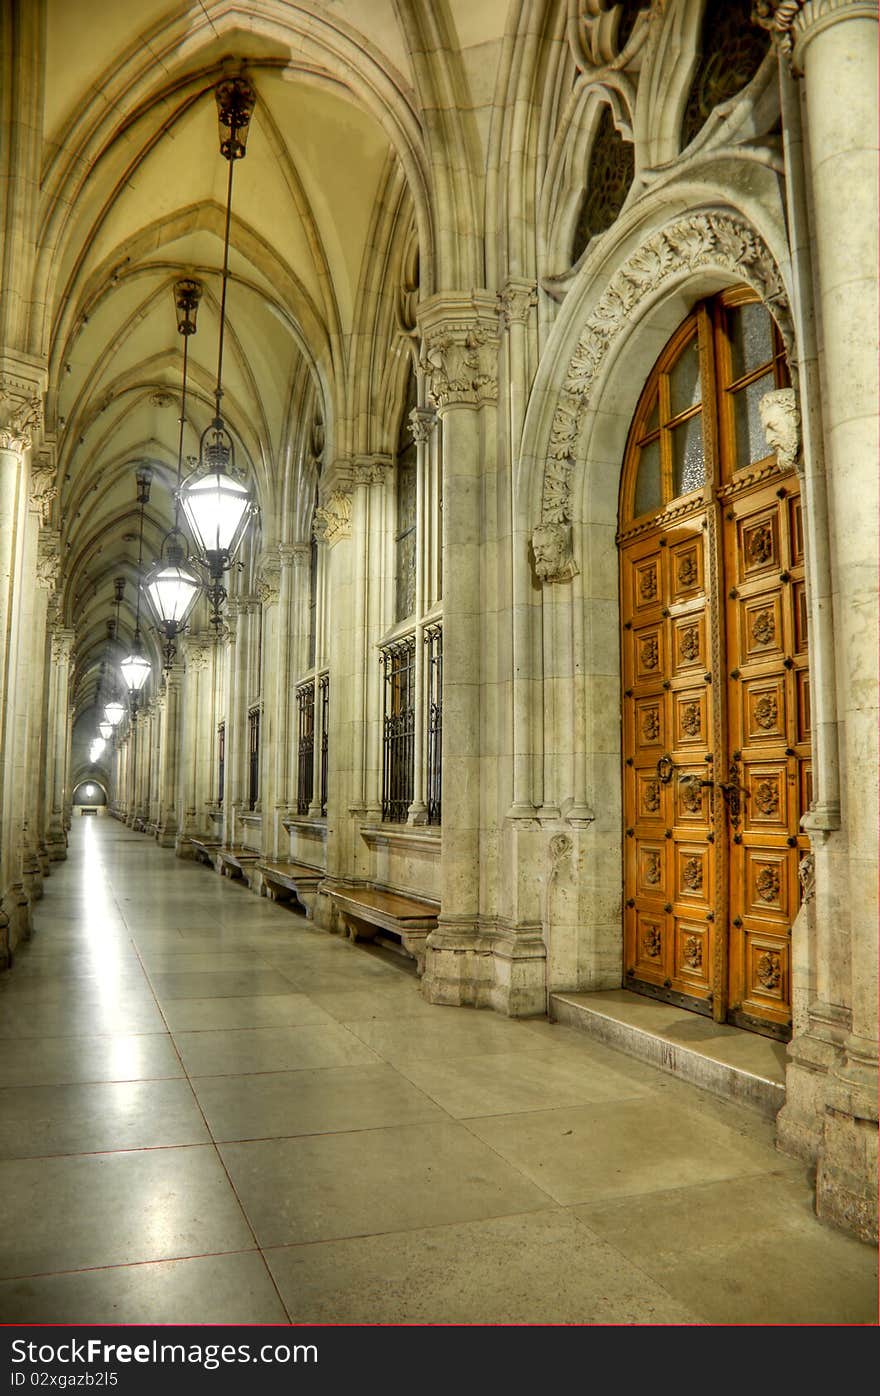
point(366, 911)
point(236, 862)
point(283, 882)
point(206, 850)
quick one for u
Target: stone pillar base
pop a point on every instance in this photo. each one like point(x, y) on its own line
point(502, 969)
point(166, 836)
point(15, 911)
point(811, 1059)
point(846, 1182)
point(183, 848)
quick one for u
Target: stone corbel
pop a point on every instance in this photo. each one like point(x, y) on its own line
point(781, 420)
point(460, 350)
point(62, 645)
point(552, 552)
point(43, 486)
point(49, 558)
point(196, 650)
point(333, 518)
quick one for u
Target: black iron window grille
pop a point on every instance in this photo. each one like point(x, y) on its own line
point(433, 773)
point(398, 729)
point(305, 752)
point(253, 757)
point(221, 761)
point(324, 699)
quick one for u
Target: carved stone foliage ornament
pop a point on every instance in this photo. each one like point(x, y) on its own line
point(21, 414)
point(807, 878)
point(460, 359)
point(422, 421)
point(49, 558)
point(515, 302)
point(781, 421)
point(790, 20)
point(333, 518)
point(718, 240)
point(552, 552)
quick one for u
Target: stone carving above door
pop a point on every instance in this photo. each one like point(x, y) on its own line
point(552, 552)
point(704, 240)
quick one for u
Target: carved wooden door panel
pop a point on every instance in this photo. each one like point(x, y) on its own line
point(768, 766)
point(669, 853)
point(716, 710)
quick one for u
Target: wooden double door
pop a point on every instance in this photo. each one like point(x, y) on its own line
point(716, 709)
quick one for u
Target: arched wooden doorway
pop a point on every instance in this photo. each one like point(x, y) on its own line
point(716, 710)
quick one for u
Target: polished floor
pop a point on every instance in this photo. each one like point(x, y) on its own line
point(212, 1111)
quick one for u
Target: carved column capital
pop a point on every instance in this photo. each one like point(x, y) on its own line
point(333, 518)
point(460, 349)
point(516, 298)
point(196, 652)
point(268, 577)
point(422, 421)
point(372, 470)
point(794, 23)
point(62, 644)
point(43, 485)
point(21, 411)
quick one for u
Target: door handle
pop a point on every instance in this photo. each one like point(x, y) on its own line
point(665, 768)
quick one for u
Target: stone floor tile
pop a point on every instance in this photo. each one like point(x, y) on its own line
point(323, 1187)
point(330, 1100)
point(209, 1289)
point(114, 1209)
point(532, 1268)
point(257, 1011)
point(271, 1049)
point(627, 1147)
point(449, 1034)
point(38, 1121)
point(199, 984)
point(52, 1061)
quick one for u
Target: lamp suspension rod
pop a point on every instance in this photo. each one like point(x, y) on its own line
point(182, 425)
point(218, 392)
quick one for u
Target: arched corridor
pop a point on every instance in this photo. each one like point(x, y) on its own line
point(213, 1112)
point(438, 655)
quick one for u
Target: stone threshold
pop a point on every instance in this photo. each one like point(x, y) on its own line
point(727, 1061)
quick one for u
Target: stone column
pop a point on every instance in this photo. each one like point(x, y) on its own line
point(169, 813)
point(333, 529)
point(294, 565)
point(423, 421)
point(273, 693)
point(459, 358)
point(832, 45)
point(33, 785)
point(197, 724)
point(61, 646)
point(20, 417)
point(236, 705)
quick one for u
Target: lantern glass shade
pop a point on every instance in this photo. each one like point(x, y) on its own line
point(114, 713)
point(106, 730)
point(135, 671)
point(218, 507)
point(172, 590)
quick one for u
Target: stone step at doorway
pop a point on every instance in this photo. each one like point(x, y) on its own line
point(728, 1061)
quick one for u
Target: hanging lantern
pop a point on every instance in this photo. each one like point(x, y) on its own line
point(114, 713)
point(135, 668)
point(106, 729)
